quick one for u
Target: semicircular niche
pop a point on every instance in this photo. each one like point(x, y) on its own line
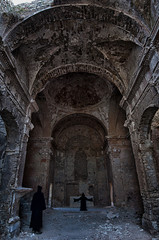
point(79, 163)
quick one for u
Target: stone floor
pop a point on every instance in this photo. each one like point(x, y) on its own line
point(95, 224)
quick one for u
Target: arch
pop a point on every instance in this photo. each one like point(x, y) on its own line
point(149, 168)
point(60, 33)
point(79, 118)
point(44, 77)
point(146, 150)
point(79, 163)
point(85, 12)
point(145, 123)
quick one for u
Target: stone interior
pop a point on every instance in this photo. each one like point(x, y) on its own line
point(79, 85)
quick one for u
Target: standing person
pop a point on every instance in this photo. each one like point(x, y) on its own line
point(37, 206)
point(83, 199)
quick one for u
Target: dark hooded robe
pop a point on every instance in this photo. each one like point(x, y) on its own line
point(83, 199)
point(37, 206)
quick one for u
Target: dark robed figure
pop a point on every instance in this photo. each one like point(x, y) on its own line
point(37, 206)
point(83, 199)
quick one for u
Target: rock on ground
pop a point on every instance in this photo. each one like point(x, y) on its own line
point(95, 224)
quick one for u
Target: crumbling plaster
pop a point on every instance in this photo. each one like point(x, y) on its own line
point(117, 41)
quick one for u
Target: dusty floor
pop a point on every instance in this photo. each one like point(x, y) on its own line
point(95, 224)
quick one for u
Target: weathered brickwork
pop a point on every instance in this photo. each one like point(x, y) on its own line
point(79, 100)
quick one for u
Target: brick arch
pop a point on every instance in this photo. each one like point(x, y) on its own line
point(80, 118)
point(91, 12)
point(78, 143)
point(145, 153)
point(145, 123)
point(40, 83)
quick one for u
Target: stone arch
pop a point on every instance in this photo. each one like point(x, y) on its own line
point(145, 123)
point(78, 117)
point(146, 149)
point(155, 139)
point(22, 38)
point(77, 139)
point(111, 15)
point(149, 170)
point(61, 70)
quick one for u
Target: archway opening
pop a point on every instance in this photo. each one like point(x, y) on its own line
point(79, 163)
point(148, 151)
point(148, 155)
point(154, 136)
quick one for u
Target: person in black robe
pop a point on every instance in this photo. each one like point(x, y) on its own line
point(83, 199)
point(37, 206)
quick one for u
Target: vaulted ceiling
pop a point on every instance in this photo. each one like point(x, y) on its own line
point(96, 37)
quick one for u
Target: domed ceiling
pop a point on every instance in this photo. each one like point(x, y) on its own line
point(77, 90)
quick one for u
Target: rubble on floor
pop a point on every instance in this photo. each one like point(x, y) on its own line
point(95, 224)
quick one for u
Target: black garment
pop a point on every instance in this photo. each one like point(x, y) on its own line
point(37, 206)
point(83, 199)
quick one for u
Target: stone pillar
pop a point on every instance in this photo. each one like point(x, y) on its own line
point(38, 163)
point(150, 195)
point(14, 220)
point(23, 147)
point(45, 155)
point(24, 141)
point(114, 155)
point(135, 147)
point(17, 162)
point(125, 184)
point(147, 177)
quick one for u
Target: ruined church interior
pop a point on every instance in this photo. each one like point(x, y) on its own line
point(79, 100)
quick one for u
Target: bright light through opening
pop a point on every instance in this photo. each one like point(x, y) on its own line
point(16, 2)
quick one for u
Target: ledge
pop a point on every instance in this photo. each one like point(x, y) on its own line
point(21, 191)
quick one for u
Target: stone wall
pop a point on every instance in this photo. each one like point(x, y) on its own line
point(125, 182)
point(13, 126)
point(3, 143)
point(80, 166)
point(65, 59)
point(70, 140)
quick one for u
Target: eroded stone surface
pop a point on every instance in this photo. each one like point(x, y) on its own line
point(79, 106)
point(96, 224)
